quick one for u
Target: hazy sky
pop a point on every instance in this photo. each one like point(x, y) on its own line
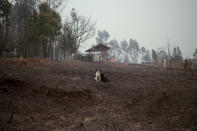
point(151, 22)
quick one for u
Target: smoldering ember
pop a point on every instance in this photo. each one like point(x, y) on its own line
point(98, 65)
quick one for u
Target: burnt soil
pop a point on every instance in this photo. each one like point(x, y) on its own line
point(63, 96)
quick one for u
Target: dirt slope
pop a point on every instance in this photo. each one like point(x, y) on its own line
point(64, 97)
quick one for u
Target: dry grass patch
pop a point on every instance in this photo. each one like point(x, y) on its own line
point(24, 61)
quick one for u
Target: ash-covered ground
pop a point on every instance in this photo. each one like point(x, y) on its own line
point(63, 96)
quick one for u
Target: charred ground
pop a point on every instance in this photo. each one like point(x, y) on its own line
point(64, 96)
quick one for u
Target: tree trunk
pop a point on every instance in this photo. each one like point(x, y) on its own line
point(2, 46)
point(52, 51)
point(44, 48)
point(64, 55)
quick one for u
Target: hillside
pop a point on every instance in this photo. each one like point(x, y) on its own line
point(63, 96)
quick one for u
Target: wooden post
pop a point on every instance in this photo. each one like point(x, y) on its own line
point(164, 63)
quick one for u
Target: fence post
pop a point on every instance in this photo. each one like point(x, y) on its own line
point(164, 63)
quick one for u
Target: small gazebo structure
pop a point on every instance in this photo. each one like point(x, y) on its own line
point(99, 52)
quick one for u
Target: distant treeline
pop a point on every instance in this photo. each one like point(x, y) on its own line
point(131, 52)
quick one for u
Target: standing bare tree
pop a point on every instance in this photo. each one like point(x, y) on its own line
point(82, 28)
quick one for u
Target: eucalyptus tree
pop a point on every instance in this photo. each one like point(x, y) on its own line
point(133, 50)
point(177, 55)
point(147, 56)
point(124, 46)
point(115, 50)
point(67, 42)
point(49, 23)
point(143, 52)
point(5, 6)
point(126, 59)
point(102, 37)
point(21, 19)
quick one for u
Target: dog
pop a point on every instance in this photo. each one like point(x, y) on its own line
point(99, 76)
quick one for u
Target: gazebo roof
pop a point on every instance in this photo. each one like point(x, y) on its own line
point(99, 47)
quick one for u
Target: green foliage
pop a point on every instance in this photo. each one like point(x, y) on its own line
point(5, 6)
point(49, 21)
point(34, 28)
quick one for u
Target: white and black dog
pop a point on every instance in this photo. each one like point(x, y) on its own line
point(99, 76)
